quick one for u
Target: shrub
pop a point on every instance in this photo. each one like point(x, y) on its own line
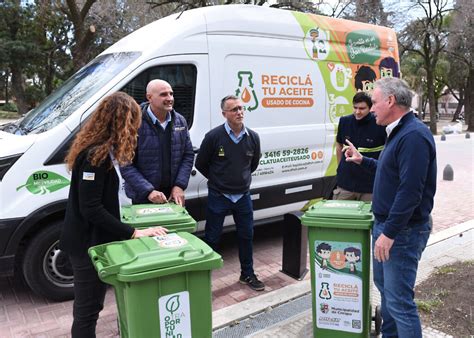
point(10, 106)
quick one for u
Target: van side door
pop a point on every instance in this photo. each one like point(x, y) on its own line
point(284, 99)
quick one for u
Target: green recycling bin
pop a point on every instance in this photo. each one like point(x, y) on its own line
point(170, 215)
point(339, 244)
point(162, 284)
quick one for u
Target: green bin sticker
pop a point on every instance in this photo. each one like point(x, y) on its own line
point(43, 182)
point(154, 211)
point(172, 240)
point(338, 286)
point(175, 316)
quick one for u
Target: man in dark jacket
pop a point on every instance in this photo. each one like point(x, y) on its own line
point(360, 128)
point(404, 188)
point(164, 155)
point(227, 157)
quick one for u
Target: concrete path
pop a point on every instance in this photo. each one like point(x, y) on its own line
point(287, 311)
point(23, 314)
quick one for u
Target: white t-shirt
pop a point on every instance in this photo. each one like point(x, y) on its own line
point(122, 196)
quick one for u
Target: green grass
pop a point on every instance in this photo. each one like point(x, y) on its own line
point(428, 306)
point(444, 270)
point(8, 115)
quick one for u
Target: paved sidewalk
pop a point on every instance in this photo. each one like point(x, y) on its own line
point(23, 314)
point(287, 312)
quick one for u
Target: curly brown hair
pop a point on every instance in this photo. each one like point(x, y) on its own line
point(112, 126)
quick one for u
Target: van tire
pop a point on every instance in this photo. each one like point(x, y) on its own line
point(46, 269)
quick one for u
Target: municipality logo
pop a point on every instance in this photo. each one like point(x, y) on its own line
point(246, 90)
point(43, 182)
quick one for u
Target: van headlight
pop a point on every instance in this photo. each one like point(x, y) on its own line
point(6, 163)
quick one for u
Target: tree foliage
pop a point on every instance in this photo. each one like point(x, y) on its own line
point(427, 37)
point(18, 36)
point(44, 42)
point(368, 11)
point(174, 6)
point(460, 51)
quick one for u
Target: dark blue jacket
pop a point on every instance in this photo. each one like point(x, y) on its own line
point(228, 166)
point(144, 174)
point(405, 178)
point(370, 138)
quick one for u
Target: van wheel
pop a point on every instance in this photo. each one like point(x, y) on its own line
point(47, 269)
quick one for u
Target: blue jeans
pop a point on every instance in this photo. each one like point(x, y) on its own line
point(395, 279)
point(218, 206)
point(89, 295)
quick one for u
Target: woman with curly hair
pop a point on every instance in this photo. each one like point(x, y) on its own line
point(106, 142)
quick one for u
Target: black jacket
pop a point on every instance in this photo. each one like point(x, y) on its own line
point(370, 138)
point(228, 166)
point(93, 210)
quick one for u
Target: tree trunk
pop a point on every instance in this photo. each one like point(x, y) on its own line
point(469, 101)
point(48, 82)
point(18, 90)
point(432, 102)
point(461, 100)
point(7, 97)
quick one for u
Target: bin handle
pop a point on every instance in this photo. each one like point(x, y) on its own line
point(190, 255)
point(100, 264)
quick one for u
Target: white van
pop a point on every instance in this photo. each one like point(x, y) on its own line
point(296, 74)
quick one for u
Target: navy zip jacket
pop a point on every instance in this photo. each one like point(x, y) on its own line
point(143, 175)
point(405, 178)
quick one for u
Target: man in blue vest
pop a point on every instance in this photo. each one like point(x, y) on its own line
point(227, 157)
point(404, 188)
point(164, 154)
point(360, 128)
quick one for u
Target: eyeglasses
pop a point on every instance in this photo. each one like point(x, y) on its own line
point(236, 109)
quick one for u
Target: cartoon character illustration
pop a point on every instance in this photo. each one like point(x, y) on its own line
point(314, 33)
point(364, 79)
point(322, 47)
point(388, 67)
point(352, 257)
point(324, 251)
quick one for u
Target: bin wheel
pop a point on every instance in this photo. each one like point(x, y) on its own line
point(378, 320)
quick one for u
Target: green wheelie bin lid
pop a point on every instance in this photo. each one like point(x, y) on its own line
point(338, 213)
point(170, 215)
point(152, 257)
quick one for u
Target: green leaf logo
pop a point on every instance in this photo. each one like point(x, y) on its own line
point(43, 182)
point(173, 304)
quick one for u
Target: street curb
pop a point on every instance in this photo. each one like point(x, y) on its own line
point(456, 230)
point(234, 313)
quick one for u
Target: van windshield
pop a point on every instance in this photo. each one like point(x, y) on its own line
point(73, 93)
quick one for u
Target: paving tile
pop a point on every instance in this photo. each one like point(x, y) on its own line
point(23, 313)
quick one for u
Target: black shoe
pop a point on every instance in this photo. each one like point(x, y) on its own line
point(253, 282)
